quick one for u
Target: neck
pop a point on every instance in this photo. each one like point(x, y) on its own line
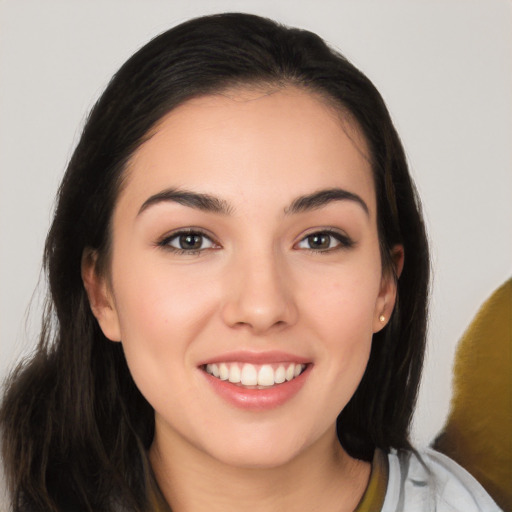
point(323, 477)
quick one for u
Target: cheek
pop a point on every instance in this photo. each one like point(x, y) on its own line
point(341, 313)
point(348, 328)
point(153, 299)
point(160, 314)
point(343, 298)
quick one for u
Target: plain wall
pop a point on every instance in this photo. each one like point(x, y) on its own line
point(443, 67)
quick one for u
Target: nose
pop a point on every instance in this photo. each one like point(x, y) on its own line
point(259, 294)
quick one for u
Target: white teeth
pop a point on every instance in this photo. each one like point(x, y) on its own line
point(249, 376)
point(266, 376)
point(280, 375)
point(234, 374)
point(253, 375)
point(213, 369)
point(223, 371)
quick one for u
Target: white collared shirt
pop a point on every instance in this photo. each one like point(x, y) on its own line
point(432, 482)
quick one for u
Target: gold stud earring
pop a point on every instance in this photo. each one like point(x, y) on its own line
point(382, 318)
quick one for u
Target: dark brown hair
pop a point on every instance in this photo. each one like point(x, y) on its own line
point(75, 427)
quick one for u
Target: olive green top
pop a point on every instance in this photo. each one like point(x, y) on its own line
point(373, 497)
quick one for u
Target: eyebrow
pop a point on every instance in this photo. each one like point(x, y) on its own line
point(321, 198)
point(195, 200)
point(209, 203)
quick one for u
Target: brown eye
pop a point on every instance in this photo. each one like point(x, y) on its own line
point(190, 241)
point(325, 241)
point(319, 241)
point(187, 241)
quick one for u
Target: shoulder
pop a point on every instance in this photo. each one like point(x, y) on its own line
point(429, 481)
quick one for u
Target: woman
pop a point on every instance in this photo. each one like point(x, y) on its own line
point(238, 272)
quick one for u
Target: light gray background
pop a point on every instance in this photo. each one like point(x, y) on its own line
point(443, 67)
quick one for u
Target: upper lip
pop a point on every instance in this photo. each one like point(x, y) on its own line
point(243, 356)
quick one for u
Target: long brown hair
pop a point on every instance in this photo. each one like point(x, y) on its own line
point(75, 429)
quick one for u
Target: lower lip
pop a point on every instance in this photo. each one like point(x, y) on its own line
point(258, 399)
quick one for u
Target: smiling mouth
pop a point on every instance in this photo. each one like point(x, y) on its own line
point(253, 376)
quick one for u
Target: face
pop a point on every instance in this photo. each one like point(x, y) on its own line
point(245, 280)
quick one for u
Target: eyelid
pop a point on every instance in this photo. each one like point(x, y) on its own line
point(163, 242)
point(345, 241)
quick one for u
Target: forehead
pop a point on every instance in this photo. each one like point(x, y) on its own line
point(245, 139)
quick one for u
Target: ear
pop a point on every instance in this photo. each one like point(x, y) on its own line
point(100, 296)
point(388, 290)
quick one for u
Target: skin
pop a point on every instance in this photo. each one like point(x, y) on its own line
point(255, 285)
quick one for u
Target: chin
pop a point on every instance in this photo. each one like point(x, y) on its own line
point(258, 451)
point(258, 460)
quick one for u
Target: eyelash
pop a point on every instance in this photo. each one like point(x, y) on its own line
point(165, 242)
point(343, 241)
